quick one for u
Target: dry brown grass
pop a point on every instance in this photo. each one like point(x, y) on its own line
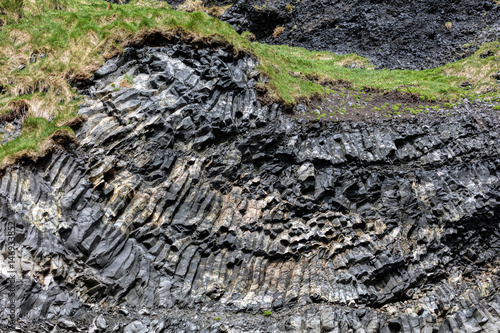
point(249, 36)
point(18, 37)
point(354, 59)
point(15, 110)
point(278, 31)
point(198, 6)
point(77, 61)
point(217, 11)
point(40, 108)
point(476, 70)
point(11, 10)
point(125, 84)
point(192, 6)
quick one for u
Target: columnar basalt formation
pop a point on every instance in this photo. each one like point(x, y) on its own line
point(186, 199)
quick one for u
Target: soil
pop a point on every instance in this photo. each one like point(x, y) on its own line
point(16, 110)
point(348, 104)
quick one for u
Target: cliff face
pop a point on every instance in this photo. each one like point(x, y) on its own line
point(186, 199)
point(392, 34)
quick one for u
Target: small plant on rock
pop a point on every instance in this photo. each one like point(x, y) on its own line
point(267, 313)
point(289, 8)
point(126, 81)
point(448, 25)
point(278, 31)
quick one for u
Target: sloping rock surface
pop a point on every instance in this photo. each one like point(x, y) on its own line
point(392, 34)
point(189, 206)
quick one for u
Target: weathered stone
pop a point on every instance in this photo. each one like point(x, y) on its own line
point(135, 327)
point(66, 323)
point(187, 200)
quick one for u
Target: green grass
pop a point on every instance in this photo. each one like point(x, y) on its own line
point(77, 36)
point(33, 132)
point(267, 313)
point(441, 83)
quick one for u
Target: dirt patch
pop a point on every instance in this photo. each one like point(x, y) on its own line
point(81, 79)
point(73, 122)
point(348, 104)
point(157, 37)
point(63, 137)
point(266, 97)
point(15, 110)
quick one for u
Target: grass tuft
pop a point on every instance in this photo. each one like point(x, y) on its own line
point(278, 31)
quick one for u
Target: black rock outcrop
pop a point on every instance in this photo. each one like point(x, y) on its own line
point(189, 206)
point(392, 34)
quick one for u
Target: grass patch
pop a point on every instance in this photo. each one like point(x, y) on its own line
point(127, 81)
point(305, 73)
point(34, 131)
point(278, 31)
point(48, 44)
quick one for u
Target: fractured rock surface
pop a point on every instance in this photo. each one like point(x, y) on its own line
point(392, 34)
point(187, 200)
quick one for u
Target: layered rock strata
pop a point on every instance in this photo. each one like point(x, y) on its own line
point(189, 206)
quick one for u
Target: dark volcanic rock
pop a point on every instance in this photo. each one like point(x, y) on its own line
point(189, 200)
point(206, 3)
point(392, 34)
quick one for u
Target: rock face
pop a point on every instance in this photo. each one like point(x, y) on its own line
point(189, 206)
point(392, 34)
